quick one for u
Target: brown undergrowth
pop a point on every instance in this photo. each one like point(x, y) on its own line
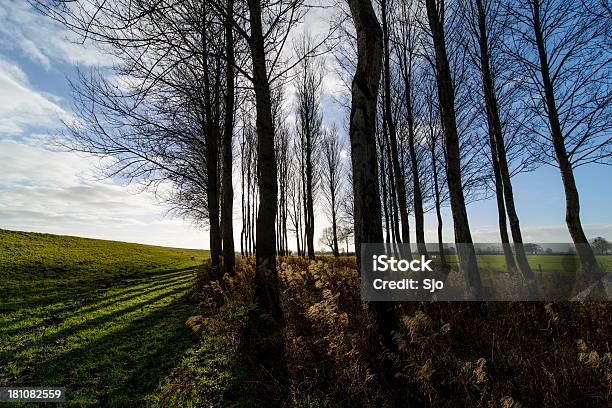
point(448, 354)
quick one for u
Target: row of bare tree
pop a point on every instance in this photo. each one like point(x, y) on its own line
point(491, 107)
point(448, 101)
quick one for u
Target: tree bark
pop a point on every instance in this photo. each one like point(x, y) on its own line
point(400, 183)
point(309, 198)
point(419, 218)
point(588, 261)
point(383, 185)
point(268, 321)
point(212, 160)
point(501, 207)
point(229, 257)
point(500, 163)
point(335, 233)
point(446, 96)
point(366, 194)
point(438, 203)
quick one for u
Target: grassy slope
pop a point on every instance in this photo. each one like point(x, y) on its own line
point(104, 319)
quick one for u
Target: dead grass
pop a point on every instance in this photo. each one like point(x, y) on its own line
point(448, 354)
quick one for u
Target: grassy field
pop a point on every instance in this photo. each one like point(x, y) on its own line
point(540, 263)
point(104, 319)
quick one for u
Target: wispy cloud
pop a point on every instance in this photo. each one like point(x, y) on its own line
point(57, 192)
point(20, 105)
point(41, 39)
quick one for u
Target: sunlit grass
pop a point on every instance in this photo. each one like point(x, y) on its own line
point(546, 264)
point(104, 319)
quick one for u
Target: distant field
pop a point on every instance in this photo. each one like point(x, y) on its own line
point(104, 319)
point(544, 263)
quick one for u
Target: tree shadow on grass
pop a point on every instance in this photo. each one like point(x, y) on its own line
point(55, 315)
point(92, 289)
point(122, 367)
point(58, 336)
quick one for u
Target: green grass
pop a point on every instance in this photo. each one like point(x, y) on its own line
point(104, 319)
point(547, 264)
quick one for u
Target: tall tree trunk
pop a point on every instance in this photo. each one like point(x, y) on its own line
point(366, 194)
point(383, 185)
point(394, 218)
point(400, 183)
point(501, 208)
point(212, 159)
point(590, 267)
point(438, 204)
point(242, 201)
point(334, 219)
point(419, 218)
point(495, 130)
point(229, 257)
point(446, 98)
point(268, 320)
point(367, 211)
point(335, 233)
point(212, 192)
point(309, 198)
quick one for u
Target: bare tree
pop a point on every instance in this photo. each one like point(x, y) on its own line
point(559, 48)
point(483, 24)
point(248, 177)
point(446, 98)
point(601, 245)
point(227, 210)
point(367, 211)
point(434, 142)
point(173, 70)
point(406, 37)
point(399, 179)
point(308, 82)
point(332, 181)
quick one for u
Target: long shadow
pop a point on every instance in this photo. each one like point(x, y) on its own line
point(121, 367)
point(254, 384)
point(57, 336)
point(92, 306)
point(125, 296)
point(78, 288)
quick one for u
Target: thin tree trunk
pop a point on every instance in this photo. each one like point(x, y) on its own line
point(446, 96)
point(495, 130)
point(212, 160)
point(229, 258)
point(400, 183)
point(309, 201)
point(335, 229)
point(419, 218)
point(383, 184)
point(438, 205)
point(590, 267)
point(501, 208)
point(242, 201)
point(395, 219)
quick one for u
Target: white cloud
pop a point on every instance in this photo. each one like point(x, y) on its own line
point(41, 39)
point(56, 192)
point(20, 105)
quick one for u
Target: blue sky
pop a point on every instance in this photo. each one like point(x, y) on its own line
point(42, 189)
